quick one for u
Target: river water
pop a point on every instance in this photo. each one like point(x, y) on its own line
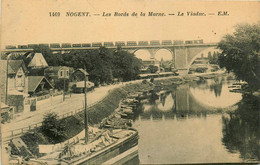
point(192, 123)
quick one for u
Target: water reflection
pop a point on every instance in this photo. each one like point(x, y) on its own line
point(189, 125)
point(190, 100)
point(214, 93)
point(241, 129)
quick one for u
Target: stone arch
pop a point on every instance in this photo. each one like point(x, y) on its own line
point(205, 51)
point(167, 50)
point(147, 54)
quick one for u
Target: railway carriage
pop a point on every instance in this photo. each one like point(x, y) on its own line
point(96, 44)
point(31, 46)
point(178, 42)
point(143, 43)
point(55, 45)
point(166, 42)
point(155, 42)
point(10, 47)
point(44, 45)
point(108, 44)
point(66, 45)
point(189, 42)
point(22, 46)
point(131, 43)
point(120, 43)
point(86, 45)
point(76, 45)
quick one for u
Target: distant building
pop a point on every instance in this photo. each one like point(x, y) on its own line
point(77, 81)
point(152, 61)
point(58, 75)
point(37, 61)
point(36, 64)
point(79, 75)
point(148, 63)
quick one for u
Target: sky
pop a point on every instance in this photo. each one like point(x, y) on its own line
point(29, 22)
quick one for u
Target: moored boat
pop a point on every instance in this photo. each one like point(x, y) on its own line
point(108, 146)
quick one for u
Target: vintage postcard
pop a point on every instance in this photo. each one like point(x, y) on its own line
point(130, 82)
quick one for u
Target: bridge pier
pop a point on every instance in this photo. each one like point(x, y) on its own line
point(181, 59)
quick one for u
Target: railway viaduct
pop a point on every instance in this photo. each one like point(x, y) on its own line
point(182, 55)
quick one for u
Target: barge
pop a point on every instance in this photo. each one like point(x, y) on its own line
point(101, 150)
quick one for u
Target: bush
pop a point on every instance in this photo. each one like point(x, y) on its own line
point(53, 128)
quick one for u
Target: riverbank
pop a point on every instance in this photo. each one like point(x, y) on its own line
point(75, 124)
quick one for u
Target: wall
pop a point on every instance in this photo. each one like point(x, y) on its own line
point(52, 100)
point(43, 102)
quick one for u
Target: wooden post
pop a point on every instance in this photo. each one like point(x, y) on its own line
point(85, 112)
point(64, 89)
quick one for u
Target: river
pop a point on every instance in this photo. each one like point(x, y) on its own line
point(192, 123)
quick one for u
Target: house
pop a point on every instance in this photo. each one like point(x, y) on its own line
point(17, 75)
point(36, 64)
point(77, 81)
point(79, 75)
point(37, 61)
point(14, 83)
point(38, 85)
point(58, 75)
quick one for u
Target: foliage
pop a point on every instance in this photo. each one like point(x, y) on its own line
point(125, 65)
point(103, 65)
point(213, 59)
point(241, 53)
point(241, 129)
point(153, 68)
point(53, 128)
point(5, 117)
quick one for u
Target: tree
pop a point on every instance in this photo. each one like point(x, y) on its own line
point(210, 57)
point(215, 58)
point(53, 128)
point(241, 53)
point(102, 64)
point(153, 68)
point(125, 65)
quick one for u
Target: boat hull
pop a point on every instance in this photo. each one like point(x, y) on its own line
point(109, 152)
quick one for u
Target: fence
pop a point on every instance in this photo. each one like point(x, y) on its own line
point(34, 103)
